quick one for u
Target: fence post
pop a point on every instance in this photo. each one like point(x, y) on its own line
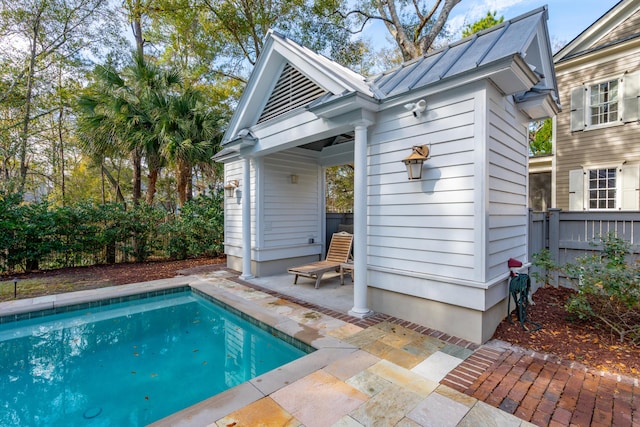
point(554, 241)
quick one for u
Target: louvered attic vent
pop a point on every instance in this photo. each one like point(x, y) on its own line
point(292, 90)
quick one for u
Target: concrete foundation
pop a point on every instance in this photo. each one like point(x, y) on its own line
point(472, 325)
point(270, 268)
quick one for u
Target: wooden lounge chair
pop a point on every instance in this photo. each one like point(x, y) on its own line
point(339, 252)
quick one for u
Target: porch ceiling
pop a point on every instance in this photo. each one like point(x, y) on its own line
point(329, 142)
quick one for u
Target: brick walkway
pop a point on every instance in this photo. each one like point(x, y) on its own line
point(545, 390)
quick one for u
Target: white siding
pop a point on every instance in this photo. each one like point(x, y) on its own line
point(292, 213)
point(424, 226)
point(233, 209)
point(507, 185)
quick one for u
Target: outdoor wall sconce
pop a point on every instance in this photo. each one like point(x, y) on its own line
point(230, 188)
point(417, 108)
point(294, 179)
point(419, 153)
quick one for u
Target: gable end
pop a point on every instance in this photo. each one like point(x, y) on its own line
point(292, 90)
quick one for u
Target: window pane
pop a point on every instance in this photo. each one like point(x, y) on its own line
point(604, 102)
point(602, 188)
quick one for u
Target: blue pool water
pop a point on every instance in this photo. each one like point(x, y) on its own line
point(128, 364)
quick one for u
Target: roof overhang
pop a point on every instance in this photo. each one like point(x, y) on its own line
point(538, 105)
point(334, 106)
point(598, 30)
point(233, 149)
point(512, 75)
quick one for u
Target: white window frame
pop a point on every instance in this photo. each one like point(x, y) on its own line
point(627, 187)
point(616, 188)
point(628, 103)
point(619, 104)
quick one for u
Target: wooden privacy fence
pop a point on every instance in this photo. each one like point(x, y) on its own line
point(568, 235)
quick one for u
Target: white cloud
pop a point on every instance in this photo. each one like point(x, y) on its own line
point(468, 12)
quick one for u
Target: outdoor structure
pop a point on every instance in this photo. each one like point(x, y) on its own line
point(597, 141)
point(432, 250)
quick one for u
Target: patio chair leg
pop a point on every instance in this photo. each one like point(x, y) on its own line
point(295, 280)
point(318, 280)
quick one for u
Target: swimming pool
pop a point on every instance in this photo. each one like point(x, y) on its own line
point(129, 363)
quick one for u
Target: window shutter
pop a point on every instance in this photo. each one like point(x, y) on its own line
point(630, 177)
point(578, 96)
point(576, 190)
point(631, 100)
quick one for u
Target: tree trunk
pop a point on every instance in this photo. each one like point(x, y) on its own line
point(115, 184)
point(154, 161)
point(24, 137)
point(190, 184)
point(182, 179)
point(61, 151)
point(136, 160)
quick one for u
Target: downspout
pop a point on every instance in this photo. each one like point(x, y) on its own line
point(360, 308)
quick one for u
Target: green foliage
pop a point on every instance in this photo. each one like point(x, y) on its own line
point(41, 236)
point(339, 188)
point(546, 266)
point(608, 288)
point(198, 230)
point(540, 137)
point(482, 24)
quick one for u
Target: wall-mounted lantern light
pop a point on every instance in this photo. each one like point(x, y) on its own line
point(419, 153)
point(294, 179)
point(230, 188)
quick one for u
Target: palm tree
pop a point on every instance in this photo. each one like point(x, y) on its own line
point(120, 111)
point(190, 133)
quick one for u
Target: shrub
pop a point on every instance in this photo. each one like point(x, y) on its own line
point(545, 265)
point(608, 288)
point(37, 235)
point(198, 230)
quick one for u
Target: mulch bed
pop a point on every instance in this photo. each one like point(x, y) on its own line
point(570, 338)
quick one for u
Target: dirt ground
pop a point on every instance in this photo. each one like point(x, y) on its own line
point(560, 335)
point(79, 278)
point(570, 338)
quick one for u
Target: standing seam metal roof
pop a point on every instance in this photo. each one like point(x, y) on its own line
point(507, 39)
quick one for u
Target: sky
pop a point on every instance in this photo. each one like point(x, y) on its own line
point(567, 18)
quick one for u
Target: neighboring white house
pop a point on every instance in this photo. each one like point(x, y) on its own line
point(432, 251)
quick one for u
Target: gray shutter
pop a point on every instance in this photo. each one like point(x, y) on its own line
point(631, 100)
point(578, 98)
point(630, 177)
point(576, 190)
